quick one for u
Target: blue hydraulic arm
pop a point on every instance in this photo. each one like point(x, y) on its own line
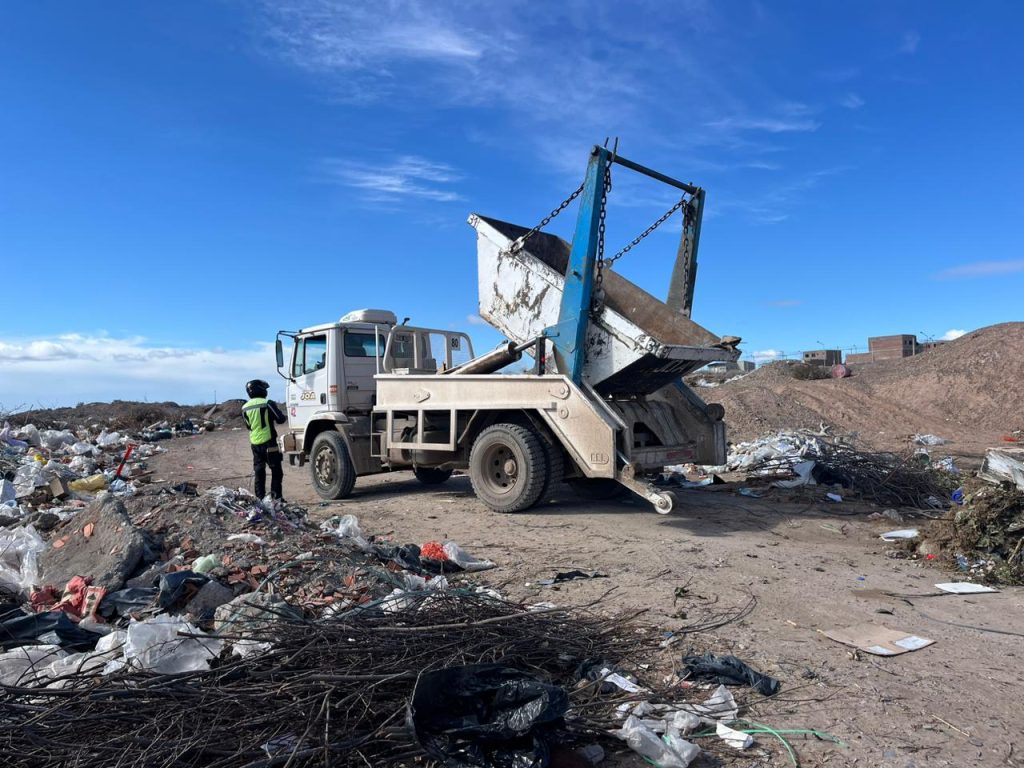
point(569, 335)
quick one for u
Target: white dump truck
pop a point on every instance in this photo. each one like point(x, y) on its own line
point(603, 407)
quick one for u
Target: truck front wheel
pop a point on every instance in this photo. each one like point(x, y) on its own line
point(507, 467)
point(331, 466)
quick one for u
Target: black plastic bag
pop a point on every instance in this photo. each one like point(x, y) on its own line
point(125, 602)
point(18, 629)
point(485, 716)
point(728, 670)
point(179, 587)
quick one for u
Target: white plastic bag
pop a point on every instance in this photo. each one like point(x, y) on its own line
point(30, 434)
point(669, 751)
point(55, 439)
point(156, 645)
point(108, 440)
point(346, 527)
point(464, 560)
point(19, 559)
point(26, 665)
point(28, 477)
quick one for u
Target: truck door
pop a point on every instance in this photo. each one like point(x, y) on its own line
point(308, 395)
point(360, 347)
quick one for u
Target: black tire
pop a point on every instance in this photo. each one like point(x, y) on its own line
point(432, 475)
point(554, 456)
point(597, 488)
point(330, 466)
point(508, 467)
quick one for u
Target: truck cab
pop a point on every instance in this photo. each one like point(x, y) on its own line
point(331, 385)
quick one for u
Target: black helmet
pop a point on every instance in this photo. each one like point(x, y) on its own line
point(257, 388)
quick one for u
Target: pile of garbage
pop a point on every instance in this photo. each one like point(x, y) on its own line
point(797, 459)
point(984, 535)
point(255, 637)
point(49, 474)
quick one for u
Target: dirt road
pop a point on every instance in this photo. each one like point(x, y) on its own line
point(808, 567)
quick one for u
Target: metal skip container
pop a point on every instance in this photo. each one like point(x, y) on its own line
point(635, 345)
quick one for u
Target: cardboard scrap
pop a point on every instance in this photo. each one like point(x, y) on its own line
point(877, 639)
point(964, 588)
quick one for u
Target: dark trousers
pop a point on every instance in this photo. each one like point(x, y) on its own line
point(263, 456)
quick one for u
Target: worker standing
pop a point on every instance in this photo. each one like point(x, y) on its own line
point(260, 416)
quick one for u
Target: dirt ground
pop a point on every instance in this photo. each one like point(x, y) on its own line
point(807, 567)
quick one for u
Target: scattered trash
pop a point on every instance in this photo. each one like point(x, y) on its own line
point(834, 497)
point(878, 640)
point(571, 576)
point(749, 492)
point(732, 737)
point(964, 588)
point(668, 751)
point(930, 440)
point(903, 533)
point(729, 670)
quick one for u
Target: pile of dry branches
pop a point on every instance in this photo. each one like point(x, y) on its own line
point(887, 479)
point(330, 692)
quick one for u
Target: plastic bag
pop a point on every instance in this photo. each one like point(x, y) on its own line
point(108, 439)
point(84, 449)
point(156, 645)
point(29, 477)
point(205, 564)
point(728, 670)
point(89, 484)
point(54, 439)
point(24, 666)
point(669, 751)
point(464, 560)
point(346, 527)
point(30, 434)
point(19, 558)
point(485, 716)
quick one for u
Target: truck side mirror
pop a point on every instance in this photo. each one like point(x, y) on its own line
point(279, 349)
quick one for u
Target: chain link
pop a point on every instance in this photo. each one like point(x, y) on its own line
point(654, 226)
point(518, 243)
point(602, 214)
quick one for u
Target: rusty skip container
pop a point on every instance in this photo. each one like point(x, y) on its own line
point(636, 344)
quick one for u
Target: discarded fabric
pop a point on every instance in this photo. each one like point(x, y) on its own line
point(729, 670)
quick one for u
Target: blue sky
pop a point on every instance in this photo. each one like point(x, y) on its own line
point(178, 181)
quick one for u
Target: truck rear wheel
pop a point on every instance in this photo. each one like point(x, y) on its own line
point(507, 467)
point(432, 475)
point(331, 466)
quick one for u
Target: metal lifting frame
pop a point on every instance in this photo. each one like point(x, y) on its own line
point(569, 335)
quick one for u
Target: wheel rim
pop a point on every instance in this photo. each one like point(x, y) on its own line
point(325, 466)
point(501, 469)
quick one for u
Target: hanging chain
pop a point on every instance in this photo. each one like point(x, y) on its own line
point(654, 226)
point(518, 243)
point(602, 214)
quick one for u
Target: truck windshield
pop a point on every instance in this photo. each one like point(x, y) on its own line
point(362, 345)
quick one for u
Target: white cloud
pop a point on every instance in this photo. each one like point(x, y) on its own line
point(852, 101)
point(766, 355)
point(767, 124)
point(475, 320)
point(68, 368)
point(911, 40)
point(952, 333)
point(981, 269)
point(404, 177)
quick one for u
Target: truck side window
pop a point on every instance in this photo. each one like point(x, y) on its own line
point(310, 355)
point(361, 344)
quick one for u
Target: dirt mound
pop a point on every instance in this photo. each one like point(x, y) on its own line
point(968, 391)
point(127, 415)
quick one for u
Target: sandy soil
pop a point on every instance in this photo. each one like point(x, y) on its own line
point(808, 566)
